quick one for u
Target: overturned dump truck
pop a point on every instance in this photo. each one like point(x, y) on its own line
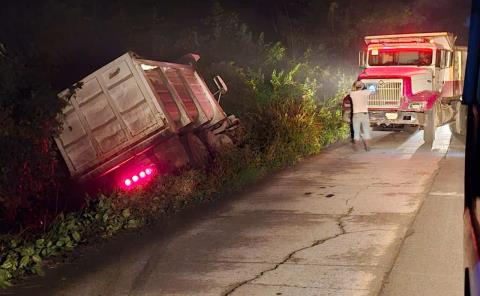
point(135, 118)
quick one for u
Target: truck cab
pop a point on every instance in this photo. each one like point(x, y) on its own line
point(416, 78)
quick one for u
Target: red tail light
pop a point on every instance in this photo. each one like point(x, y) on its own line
point(137, 177)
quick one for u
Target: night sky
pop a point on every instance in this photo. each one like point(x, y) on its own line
point(79, 36)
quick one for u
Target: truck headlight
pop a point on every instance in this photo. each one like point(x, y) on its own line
point(417, 105)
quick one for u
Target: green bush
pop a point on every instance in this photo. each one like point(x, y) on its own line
point(288, 123)
point(29, 110)
point(103, 217)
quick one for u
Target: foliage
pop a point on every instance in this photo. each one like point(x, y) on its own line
point(20, 255)
point(290, 120)
point(29, 114)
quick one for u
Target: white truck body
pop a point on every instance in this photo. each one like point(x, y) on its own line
point(417, 78)
point(128, 107)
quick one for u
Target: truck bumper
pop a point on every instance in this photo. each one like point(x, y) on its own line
point(397, 117)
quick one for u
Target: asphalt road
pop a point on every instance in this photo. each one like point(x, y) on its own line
point(383, 222)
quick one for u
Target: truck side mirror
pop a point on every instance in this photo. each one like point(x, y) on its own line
point(221, 86)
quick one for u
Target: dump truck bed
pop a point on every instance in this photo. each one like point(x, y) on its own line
point(127, 106)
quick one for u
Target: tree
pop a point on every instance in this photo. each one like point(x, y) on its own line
point(29, 109)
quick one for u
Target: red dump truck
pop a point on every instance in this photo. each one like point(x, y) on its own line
point(417, 79)
point(135, 118)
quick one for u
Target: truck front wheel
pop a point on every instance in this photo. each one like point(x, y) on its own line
point(459, 126)
point(431, 123)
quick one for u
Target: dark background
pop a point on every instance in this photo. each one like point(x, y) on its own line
point(76, 37)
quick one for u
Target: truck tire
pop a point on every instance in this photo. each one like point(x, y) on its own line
point(431, 123)
point(459, 126)
point(217, 143)
point(197, 151)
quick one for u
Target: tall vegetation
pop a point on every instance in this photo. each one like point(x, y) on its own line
point(29, 111)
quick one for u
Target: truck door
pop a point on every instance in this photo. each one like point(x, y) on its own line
point(443, 72)
point(362, 59)
point(439, 69)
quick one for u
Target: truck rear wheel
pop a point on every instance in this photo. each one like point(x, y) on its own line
point(217, 143)
point(431, 123)
point(197, 151)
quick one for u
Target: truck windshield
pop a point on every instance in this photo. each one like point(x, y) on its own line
point(400, 57)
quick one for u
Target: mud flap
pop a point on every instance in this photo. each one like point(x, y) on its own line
point(459, 126)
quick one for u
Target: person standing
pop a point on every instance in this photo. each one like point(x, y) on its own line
point(360, 119)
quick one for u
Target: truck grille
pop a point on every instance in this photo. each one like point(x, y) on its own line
point(388, 93)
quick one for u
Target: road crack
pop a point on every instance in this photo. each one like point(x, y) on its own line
point(340, 225)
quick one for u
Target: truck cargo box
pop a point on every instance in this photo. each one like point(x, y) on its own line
point(128, 106)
